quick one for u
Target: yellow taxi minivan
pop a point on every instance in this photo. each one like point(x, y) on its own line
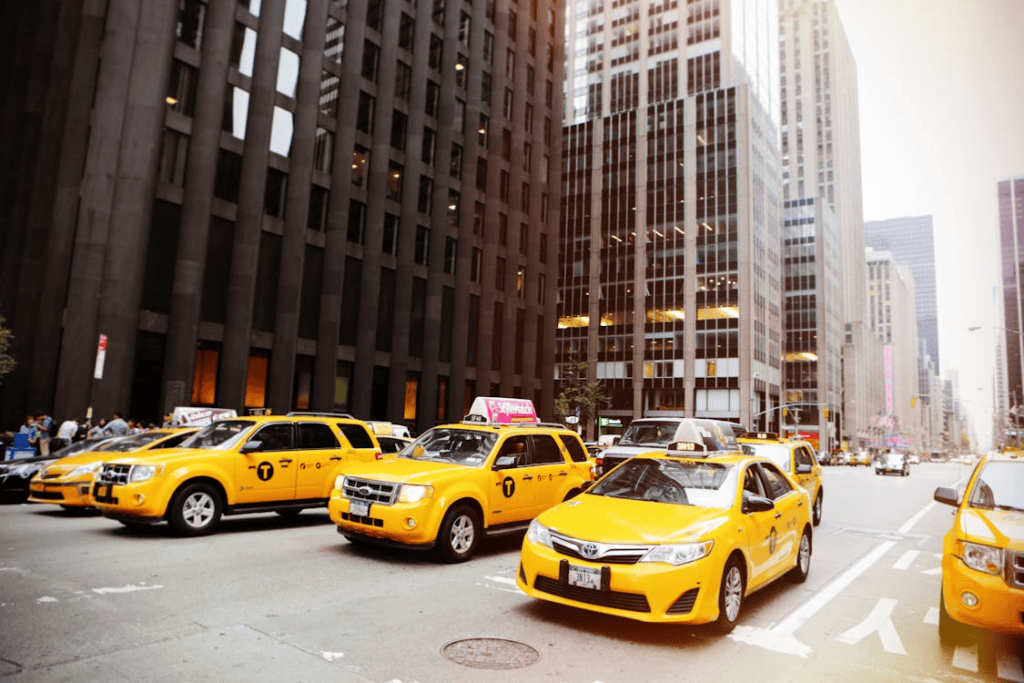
point(662, 538)
point(983, 554)
point(279, 463)
point(488, 475)
point(796, 458)
point(67, 482)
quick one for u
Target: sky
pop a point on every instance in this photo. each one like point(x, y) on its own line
point(941, 89)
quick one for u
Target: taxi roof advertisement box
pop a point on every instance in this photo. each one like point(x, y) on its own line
point(504, 410)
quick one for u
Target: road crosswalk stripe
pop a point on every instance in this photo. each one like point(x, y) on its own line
point(1008, 667)
point(906, 559)
point(966, 657)
point(932, 617)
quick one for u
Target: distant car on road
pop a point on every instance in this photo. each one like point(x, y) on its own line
point(892, 462)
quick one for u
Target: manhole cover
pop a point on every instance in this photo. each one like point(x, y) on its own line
point(490, 653)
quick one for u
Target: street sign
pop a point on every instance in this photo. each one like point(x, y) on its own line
point(101, 357)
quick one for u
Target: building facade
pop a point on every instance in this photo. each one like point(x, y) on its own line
point(286, 204)
point(1011, 239)
point(670, 276)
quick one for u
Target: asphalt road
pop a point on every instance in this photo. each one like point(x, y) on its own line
point(273, 599)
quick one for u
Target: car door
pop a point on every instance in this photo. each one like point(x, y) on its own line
point(760, 528)
point(512, 493)
point(550, 470)
point(317, 453)
point(266, 468)
point(802, 456)
point(788, 504)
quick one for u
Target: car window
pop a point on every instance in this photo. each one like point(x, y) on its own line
point(752, 482)
point(1000, 485)
point(660, 432)
point(130, 443)
point(356, 434)
point(391, 444)
point(575, 448)
point(174, 441)
point(546, 451)
point(273, 437)
point(316, 436)
point(803, 457)
point(775, 482)
point(515, 447)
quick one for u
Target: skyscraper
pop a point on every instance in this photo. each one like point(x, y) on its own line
point(911, 240)
point(282, 204)
point(1011, 239)
point(670, 275)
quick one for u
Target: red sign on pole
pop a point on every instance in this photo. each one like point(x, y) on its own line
point(101, 357)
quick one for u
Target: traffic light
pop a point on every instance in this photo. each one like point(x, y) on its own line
point(826, 413)
point(913, 401)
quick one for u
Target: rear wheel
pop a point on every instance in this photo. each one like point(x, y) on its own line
point(730, 597)
point(459, 533)
point(816, 510)
point(196, 510)
point(798, 574)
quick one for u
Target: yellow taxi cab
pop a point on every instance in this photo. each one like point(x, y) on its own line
point(663, 538)
point(860, 458)
point(983, 554)
point(280, 463)
point(490, 474)
point(796, 458)
point(67, 481)
point(392, 438)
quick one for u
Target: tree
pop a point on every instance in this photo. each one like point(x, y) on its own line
point(579, 396)
point(7, 361)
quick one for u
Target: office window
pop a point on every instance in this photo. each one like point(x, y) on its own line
point(510, 64)
point(513, 19)
point(422, 248)
point(524, 238)
point(532, 42)
point(274, 191)
point(229, 174)
point(483, 134)
point(391, 231)
point(403, 81)
point(503, 187)
point(454, 208)
point(548, 94)
point(485, 87)
point(433, 98)
point(356, 221)
point(481, 173)
point(464, 28)
point(436, 52)
point(488, 47)
point(503, 229)
point(499, 274)
point(323, 150)
point(451, 246)
point(437, 12)
point(426, 194)
point(455, 168)
point(317, 217)
point(506, 144)
point(398, 123)
point(524, 198)
point(528, 118)
point(476, 264)
point(191, 18)
point(364, 114)
point(173, 157)
point(334, 40)
point(375, 14)
point(478, 218)
point(395, 173)
point(527, 156)
point(360, 165)
point(371, 61)
point(521, 282)
point(459, 121)
point(530, 78)
point(429, 145)
point(236, 112)
point(406, 32)
point(329, 86)
point(181, 89)
point(461, 69)
point(508, 105)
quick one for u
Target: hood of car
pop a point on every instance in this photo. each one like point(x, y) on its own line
point(157, 456)
point(615, 520)
point(999, 528)
point(407, 470)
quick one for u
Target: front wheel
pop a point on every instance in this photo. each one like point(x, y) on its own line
point(459, 533)
point(816, 510)
point(798, 574)
point(730, 597)
point(196, 510)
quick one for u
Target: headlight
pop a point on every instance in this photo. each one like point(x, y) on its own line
point(682, 553)
point(339, 482)
point(86, 469)
point(411, 493)
point(538, 533)
point(144, 472)
point(983, 558)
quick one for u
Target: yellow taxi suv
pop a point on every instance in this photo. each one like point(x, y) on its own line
point(255, 464)
point(796, 458)
point(67, 482)
point(983, 554)
point(669, 539)
point(459, 482)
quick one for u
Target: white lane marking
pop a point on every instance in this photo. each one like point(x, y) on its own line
point(966, 657)
point(124, 589)
point(46, 598)
point(932, 617)
point(501, 579)
point(932, 572)
point(331, 656)
point(505, 581)
point(1008, 667)
point(917, 518)
point(905, 560)
point(879, 620)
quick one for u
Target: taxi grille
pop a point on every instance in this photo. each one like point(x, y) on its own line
point(631, 602)
point(114, 474)
point(1015, 569)
point(381, 492)
point(369, 521)
point(570, 547)
point(685, 603)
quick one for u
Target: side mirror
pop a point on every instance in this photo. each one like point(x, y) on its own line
point(251, 446)
point(505, 462)
point(756, 504)
point(804, 468)
point(947, 496)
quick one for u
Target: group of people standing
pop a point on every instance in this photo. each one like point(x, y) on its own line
point(37, 437)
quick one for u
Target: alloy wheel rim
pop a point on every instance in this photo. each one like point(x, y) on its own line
point(805, 554)
point(198, 510)
point(733, 593)
point(462, 534)
point(817, 507)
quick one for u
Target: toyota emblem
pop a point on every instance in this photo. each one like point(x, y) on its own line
point(589, 550)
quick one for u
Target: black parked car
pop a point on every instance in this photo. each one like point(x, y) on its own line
point(16, 474)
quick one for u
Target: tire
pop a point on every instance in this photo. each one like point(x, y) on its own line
point(798, 574)
point(730, 597)
point(459, 534)
point(951, 632)
point(816, 508)
point(195, 510)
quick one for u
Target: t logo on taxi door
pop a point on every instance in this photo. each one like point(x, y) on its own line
point(508, 487)
point(265, 471)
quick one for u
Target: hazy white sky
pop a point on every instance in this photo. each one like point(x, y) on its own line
point(941, 86)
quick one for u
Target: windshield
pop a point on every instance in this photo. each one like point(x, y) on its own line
point(445, 444)
point(776, 452)
point(651, 432)
point(130, 443)
point(1000, 486)
point(79, 447)
point(671, 481)
point(219, 436)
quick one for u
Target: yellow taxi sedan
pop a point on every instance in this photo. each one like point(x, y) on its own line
point(669, 539)
point(796, 458)
point(983, 554)
point(66, 482)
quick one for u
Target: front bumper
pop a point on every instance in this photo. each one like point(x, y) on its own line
point(1000, 606)
point(400, 524)
point(141, 501)
point(654, 592)
point(70, 493)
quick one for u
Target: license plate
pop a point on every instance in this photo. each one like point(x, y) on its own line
point(585, 577)
point(359, 508)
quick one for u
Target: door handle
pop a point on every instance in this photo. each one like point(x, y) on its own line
point(285, 461)
point(527, 477)
point(800, 504)
point(777, 515)
point(563, 474)
point(335, 457)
